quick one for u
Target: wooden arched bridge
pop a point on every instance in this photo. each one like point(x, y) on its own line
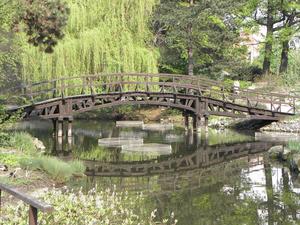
point(61, 99)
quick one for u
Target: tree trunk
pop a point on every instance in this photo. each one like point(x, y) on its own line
point(284, 57)
point(269, 39)
point(190, 61)
point(190, 47)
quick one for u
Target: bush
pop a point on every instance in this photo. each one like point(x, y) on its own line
point(59, 170)
point(106, 207)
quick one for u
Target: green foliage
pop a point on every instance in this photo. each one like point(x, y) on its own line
point(98, 153)
point(282, 20)
point(101, 36)
point(23, 142)
point(6, 122)
point(14, 182)
point(59, 170)
point(107, 207)
point(203, 26)
point(44, 22)
point(77, 167)
point(9, 159)
point(227, 137)
point(291, 77)
point(294, 146)
point(243, 84)
point(171, 112)
point(5, 139)
point(9, 46)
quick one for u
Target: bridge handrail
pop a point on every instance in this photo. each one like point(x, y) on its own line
point(186, 77)
point(34, 204)
point(30, 84)
point(242, 95)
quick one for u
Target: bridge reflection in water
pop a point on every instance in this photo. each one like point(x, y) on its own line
point(194, 168)
point(214, 185)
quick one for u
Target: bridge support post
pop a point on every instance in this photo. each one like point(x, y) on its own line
point(186, 122)
point(206, 123)
point(60, 127)
point(54, 122)
point(69, 131)
point(196, 123)
point(59, 146)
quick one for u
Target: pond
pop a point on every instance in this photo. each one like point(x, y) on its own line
point(214, 177)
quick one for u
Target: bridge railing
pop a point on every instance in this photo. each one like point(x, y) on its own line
point(132, 82)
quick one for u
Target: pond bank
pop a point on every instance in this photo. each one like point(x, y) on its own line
point(288, 155)
point(288, 126)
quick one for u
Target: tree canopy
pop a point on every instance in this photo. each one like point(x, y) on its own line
point(197, 36)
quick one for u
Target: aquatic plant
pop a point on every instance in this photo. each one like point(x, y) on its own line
point(105, 207)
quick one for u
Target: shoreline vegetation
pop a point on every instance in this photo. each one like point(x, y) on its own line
point(22, 153)
point(75, 207)
point(27, 169)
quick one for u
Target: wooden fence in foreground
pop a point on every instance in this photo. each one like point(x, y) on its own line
point(34, 204)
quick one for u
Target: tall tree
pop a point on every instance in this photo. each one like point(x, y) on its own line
point(267, 13)
point(44, 22)
point(281, 19)
point(190, 44)
point(290, 26)
point(195, 34)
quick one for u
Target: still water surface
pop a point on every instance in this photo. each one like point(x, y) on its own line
point(224, 177)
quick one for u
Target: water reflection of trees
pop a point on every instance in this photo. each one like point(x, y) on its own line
point(220, 194)
point(230, 201)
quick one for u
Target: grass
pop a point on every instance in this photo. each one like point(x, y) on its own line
point(14, 182)
point(27, 157)
point(9, 159)
point(57, 169)
point(23, 142)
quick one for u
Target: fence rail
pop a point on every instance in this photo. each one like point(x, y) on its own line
point(34, 204)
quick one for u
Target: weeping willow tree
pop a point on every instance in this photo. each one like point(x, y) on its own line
point(101, 36)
